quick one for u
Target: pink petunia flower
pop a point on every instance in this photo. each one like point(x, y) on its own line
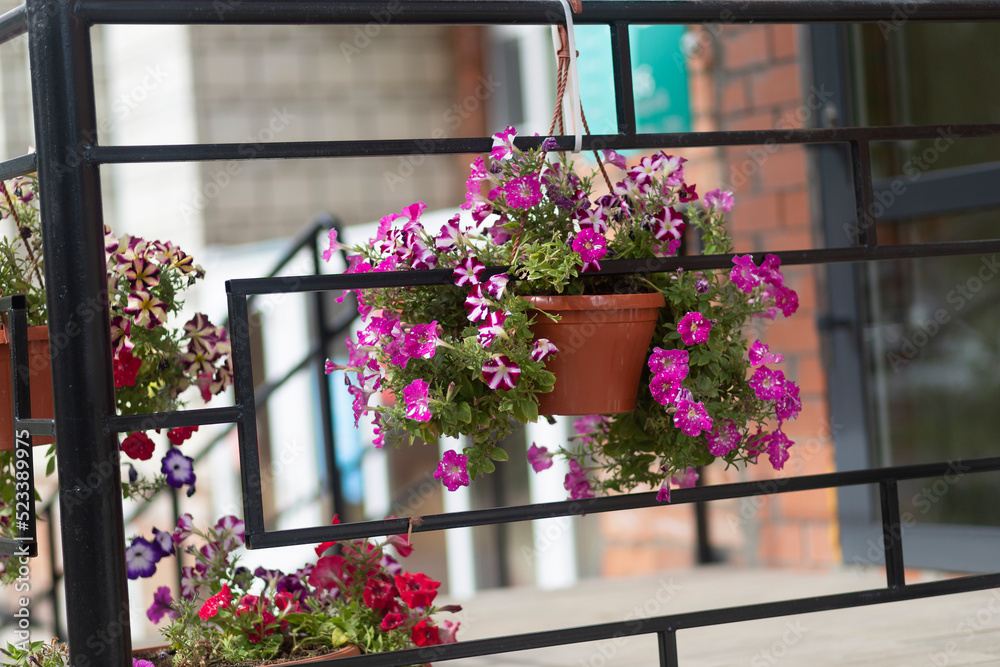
point(420, 341)
point(672, 364)
point(497, 285)
point(612, 157)
point(491, 327)
point(467, 271)
point(576, 481)
point(719, 200)
point(664, 389)
point(744, 274)
point(777, 449)
point(452, 470)
point(539, 457)
point(591, 246)
point(523, 192)
point(543, 349)
point(768, 385)
point(416, 397)
point(334, 245)
point(477, 306)
point(723, 439)
point(503, 144)
point(685, 480)
point(788, 406)
point(449, 236)
point(691, 417)
point(759, 355)
point(500, 372)
point(694, 328)
point(787, 300)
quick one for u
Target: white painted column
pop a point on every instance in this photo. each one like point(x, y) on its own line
point(554, 552)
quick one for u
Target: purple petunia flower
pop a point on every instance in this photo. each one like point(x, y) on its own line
point(777, 449)
point(523, 192)
point(164, 540)
point(694, 328)
point(468, 271)
point(612, 157)
point(234, 529)
point(759, 355)
point(591, 246)
point(550, 144)
point(664, 389)
point(744, 274)
point(691, 417)
point(139, 662)
point(685, 480)
point(449, 236)
point(416, 397)
point(452, 470)
point(672, 364)
point(543, 349)
point(496, 285)
point(477, 306)
point(576, 481)
point(162, 602)
point(539, 457)
point(768, 385)
point(500, 372)
point(420, 341)
point(788, 406)
point(141, 558)
point(179, 469)
point(719, 200)
point(724, 439)
point(491, 327)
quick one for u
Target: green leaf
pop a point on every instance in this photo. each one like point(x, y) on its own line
point(464, 413)
point(499, 454)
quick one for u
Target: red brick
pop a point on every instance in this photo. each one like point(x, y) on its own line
point(794, 334)
point(753, 213)
point(785, 239)
point(814, 505)
point(702, 92)
point(763, 120)
point(821, 544)
point(744, 47)
point(776, 85)
point(781, 543)
point(795, 207)
point(809, 374)
point(734, 95)
point(785, 168)
point(783, 41)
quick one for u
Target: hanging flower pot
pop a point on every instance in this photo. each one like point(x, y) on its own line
point(159, 656)
point(40, 374)
point(602, 340)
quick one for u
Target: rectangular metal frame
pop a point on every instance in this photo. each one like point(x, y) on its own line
point(68, 162)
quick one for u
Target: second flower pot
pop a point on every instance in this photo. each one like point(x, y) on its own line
point(40, 377)
point(603, 342)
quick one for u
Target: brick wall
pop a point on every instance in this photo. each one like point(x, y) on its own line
point(290, 83)
point(742, 78)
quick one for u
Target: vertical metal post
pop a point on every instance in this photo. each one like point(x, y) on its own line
point(24, 494)
point(93, 534)
point(621, 62)
point(892, 534)
point(323, 386)
point(50, 527)
point(861, 164)
point(668, 648)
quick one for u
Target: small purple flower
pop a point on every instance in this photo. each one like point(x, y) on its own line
point(777, 449)
point(491, 327)
point(663, 495)
point(672, 364)
point(139, 662)
point(612, 157)
point(334, 246)
point(664, 389)
point(691, 417)
point(550, 144)
point(496, 285)
point(759, 355)
point(420, 341)
point(234, 529)
point(576, 481)
point(452, 470)
point(701, 286)
point(694, 328)
point(719, 200)
point(724, 439)
point(685, 480)
point(543, 349)
point(768, 385)
point(539, 458)
point(501, 372)
point(185, 526)
point(141, 558)
point(162, 601)
point(416, 397)
point(788, 406)
point(503, 144)
point(179, 469)
point(744, 274)
point(450, 235)
point(787, 300)
point(164, 540)
point(523, 192)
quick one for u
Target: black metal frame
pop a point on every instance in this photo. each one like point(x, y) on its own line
point(68, 162)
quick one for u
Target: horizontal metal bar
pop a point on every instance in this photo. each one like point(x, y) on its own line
point(433, 522)
point(12, 24)
point(904, 197)
point(13, 302)
point(18, 166)
point(152, 420)
point(313, 283)
point(281, 150)
point(642, 626)
point(42, 427)
point(13, 547)
point(459, 12)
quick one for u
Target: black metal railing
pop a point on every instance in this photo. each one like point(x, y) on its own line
point(68, 163)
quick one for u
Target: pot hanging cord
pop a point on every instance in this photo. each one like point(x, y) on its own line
point(566, 69)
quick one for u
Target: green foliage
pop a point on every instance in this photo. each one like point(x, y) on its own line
point(36, 654)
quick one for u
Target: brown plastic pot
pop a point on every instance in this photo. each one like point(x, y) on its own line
point(154, 655)
point(602, 341)
point(40, 376)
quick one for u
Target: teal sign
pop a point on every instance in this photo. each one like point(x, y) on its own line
point(659, 78)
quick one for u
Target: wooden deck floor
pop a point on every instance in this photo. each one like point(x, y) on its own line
point(961, 629)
